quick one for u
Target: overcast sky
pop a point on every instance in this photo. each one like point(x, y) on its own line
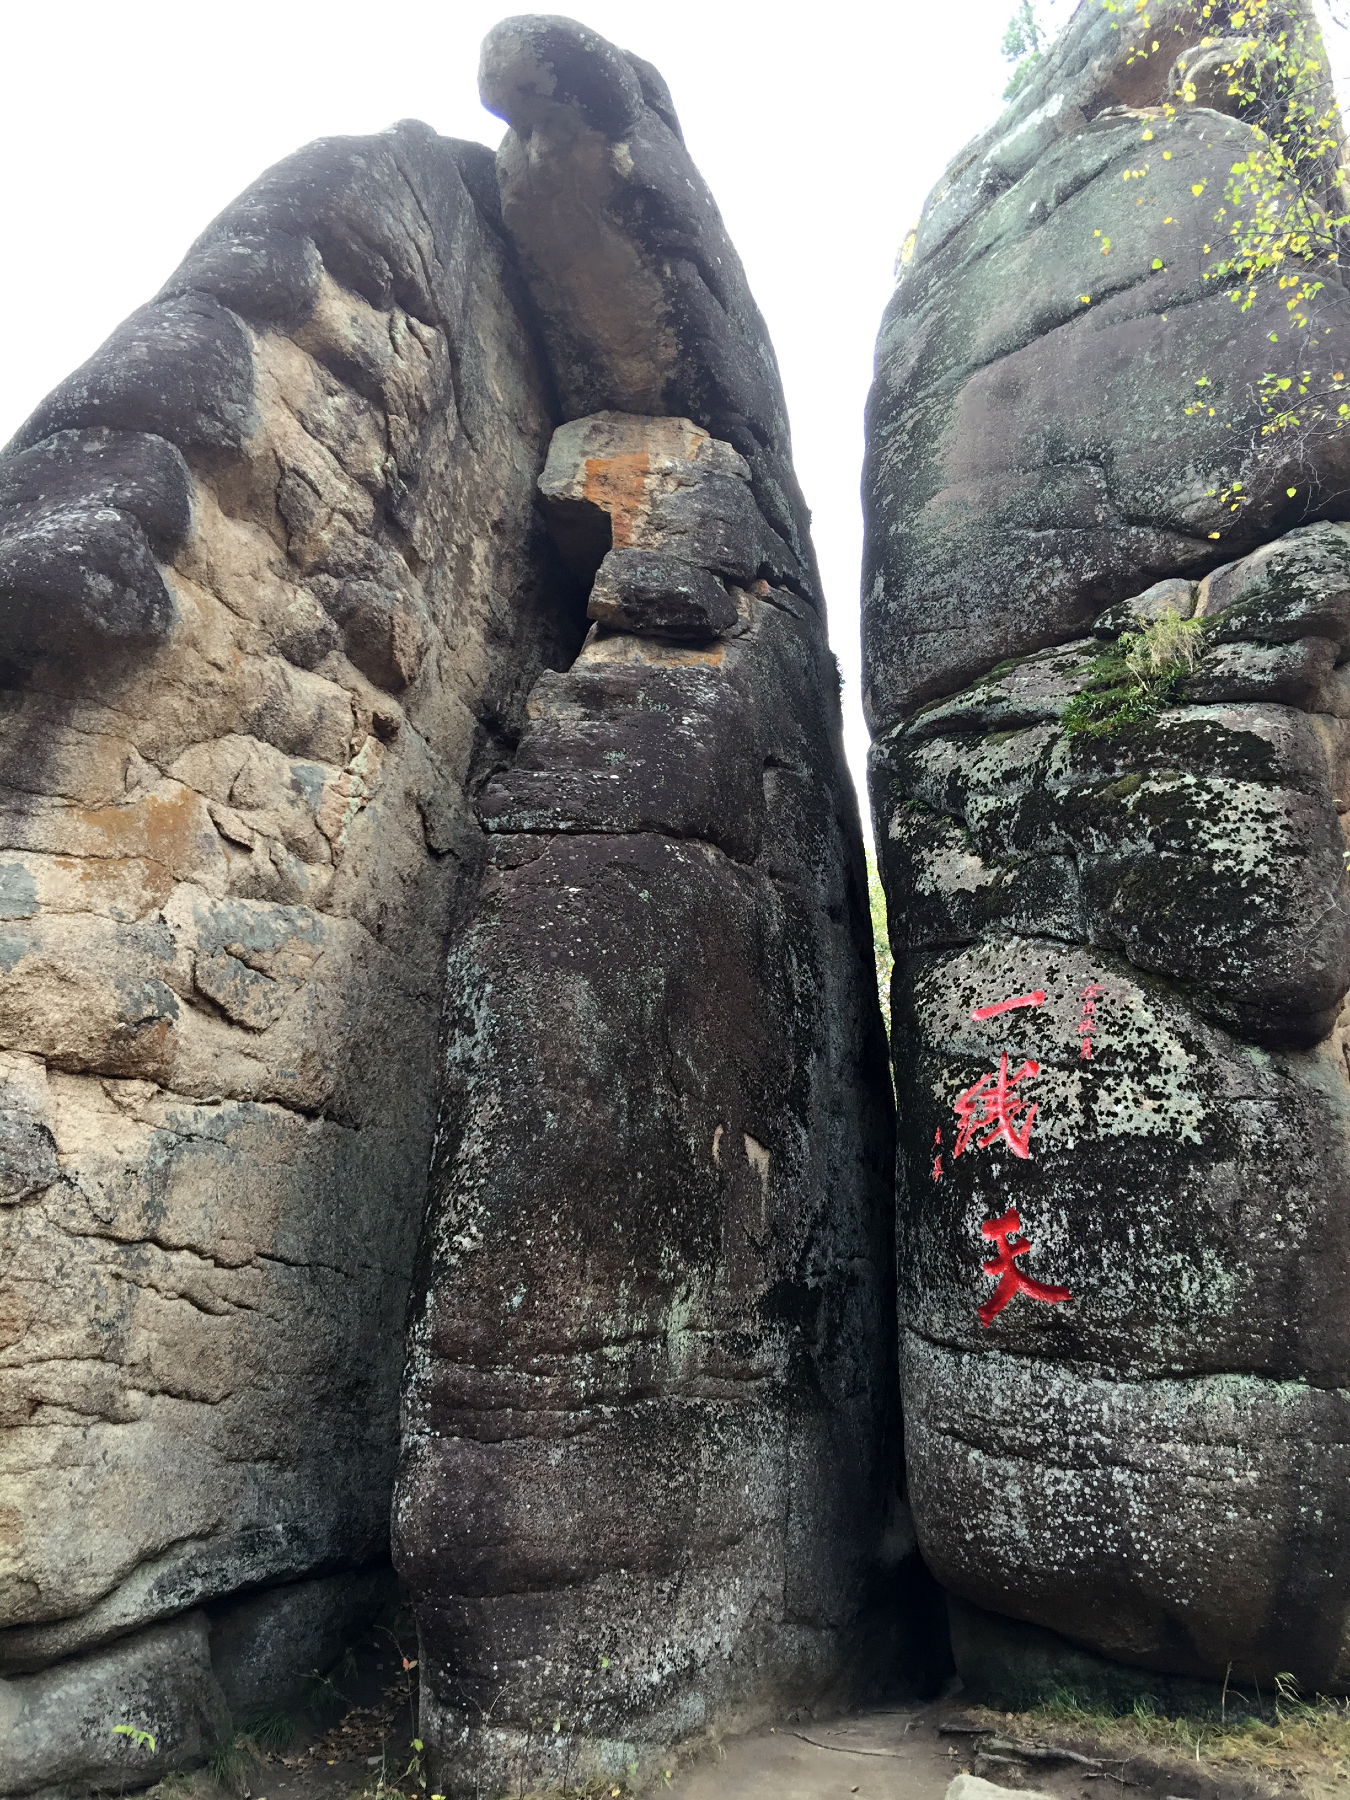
point(820, 129)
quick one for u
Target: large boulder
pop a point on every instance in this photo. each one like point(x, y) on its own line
point(127, 1715)
point(273, 590)
point(1119, 905)
point(642, 299)
point(1031, 457)
point(649, 1437)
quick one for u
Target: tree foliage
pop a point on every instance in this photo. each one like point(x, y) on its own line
point(1283, 214)
point(1024, 44)
point(881, 940)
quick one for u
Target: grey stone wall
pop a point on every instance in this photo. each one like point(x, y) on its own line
point(1122, 954)
point(274, 592)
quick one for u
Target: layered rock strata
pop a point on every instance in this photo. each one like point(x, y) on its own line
point(1122, 940)
point(272, 592)
point(275, 590)
point(647, 1430)
point(643, 303)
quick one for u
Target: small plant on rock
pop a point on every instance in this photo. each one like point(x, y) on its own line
point(1165, 648)
point(1131, 683)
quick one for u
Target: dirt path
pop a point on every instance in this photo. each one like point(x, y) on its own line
point(877, 1756)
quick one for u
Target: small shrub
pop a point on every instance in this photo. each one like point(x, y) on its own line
point(1167, 645)
point(1131, 683)
point(235, 1758)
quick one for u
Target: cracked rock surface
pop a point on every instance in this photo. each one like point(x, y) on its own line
point(1030, 459)
point(648, 1414)
point(410, 634)
point(1123, 944)
point(244, 709)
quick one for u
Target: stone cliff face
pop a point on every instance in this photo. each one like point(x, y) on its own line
point(1122, 952)
point(1021, 471)
point(304, 765)
point(646, 1445)
point(648, 1417)
point(261, 647)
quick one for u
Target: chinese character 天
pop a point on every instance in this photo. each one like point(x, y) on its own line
point(1010, 1279)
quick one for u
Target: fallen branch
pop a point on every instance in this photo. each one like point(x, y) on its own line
point(848, 1749)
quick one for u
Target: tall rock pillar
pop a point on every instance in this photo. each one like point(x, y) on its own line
point(649, 1428)
point(273, 589)
point(1120, 923)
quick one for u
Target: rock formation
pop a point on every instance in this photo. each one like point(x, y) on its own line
point(648, 1420)
point(261, 648)
point(648, 1395)
point(301, 768)
point(1122, 940)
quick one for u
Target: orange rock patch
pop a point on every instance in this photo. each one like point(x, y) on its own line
point(619, 485)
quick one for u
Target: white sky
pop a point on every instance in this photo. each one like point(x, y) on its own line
point(126, 127)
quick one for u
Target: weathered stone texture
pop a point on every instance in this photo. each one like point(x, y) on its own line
point(302, 481)
point(58, 1726)
point(1188, 1182)
point(643, 301)
point(1029, 457)
point(293, 701)
point(1153, 1467)
point(648, 1419)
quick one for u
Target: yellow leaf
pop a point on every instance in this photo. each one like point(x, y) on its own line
point(1146, 138)
point(1197, 187)
point(1291, 492)
point(1214, 534)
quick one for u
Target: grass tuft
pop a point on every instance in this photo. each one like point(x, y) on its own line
point(1133, 681)
point(1307, 1742)
point(236, 1758)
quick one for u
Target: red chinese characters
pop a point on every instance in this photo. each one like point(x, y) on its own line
point(1036, 998)
point(1004, 1269)
point(993, 1106)
point(1088, 1023)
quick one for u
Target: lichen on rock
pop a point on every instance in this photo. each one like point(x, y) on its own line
point(1108, 780)
point(411, 637)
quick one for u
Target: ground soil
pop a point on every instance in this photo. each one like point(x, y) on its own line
point(912, 1754)
point(357, 1741)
